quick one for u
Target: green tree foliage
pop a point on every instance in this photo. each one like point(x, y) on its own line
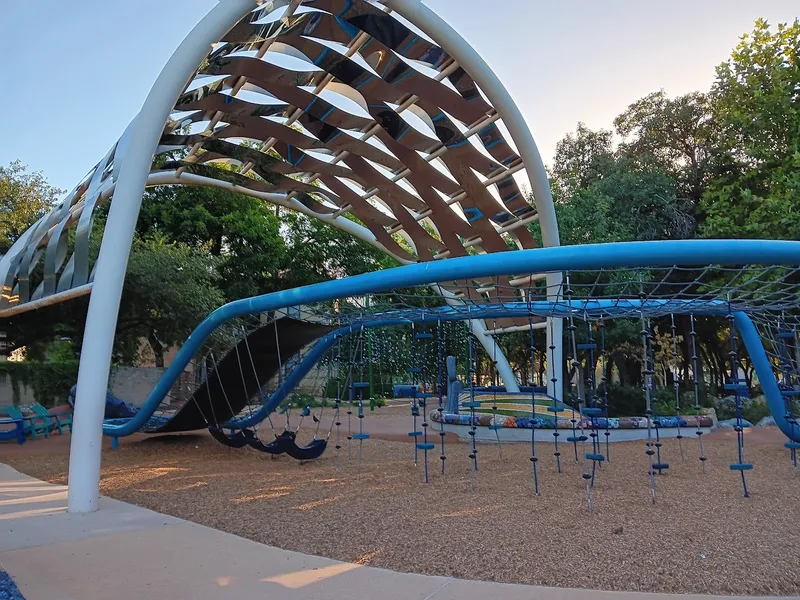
point(756, 104)
point(169, 289)
point(319, 252)
point(604, 194)
point(240, 231)
point(24, 198)
point(674, 136)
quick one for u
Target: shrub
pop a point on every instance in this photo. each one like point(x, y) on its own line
point(49, 381)
point(755, 410)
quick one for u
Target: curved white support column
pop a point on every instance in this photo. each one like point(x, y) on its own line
point(478, 328)
point(451, 41)
point(134, 158)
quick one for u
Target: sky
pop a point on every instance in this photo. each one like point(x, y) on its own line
point(77, 72)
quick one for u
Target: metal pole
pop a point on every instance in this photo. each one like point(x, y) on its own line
point(369, 361)
point(134, 156)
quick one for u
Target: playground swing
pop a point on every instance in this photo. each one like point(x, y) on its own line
point(283, 443)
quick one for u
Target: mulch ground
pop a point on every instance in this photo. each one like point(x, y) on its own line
point(701, 536)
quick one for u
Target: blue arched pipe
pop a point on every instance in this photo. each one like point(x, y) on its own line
point(541, 260)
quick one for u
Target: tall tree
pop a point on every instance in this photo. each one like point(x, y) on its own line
point(24, 198)
point(241, 231)
point(169, 289)
point(756, 103)
point(673, 135)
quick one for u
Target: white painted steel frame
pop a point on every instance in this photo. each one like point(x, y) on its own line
point(134, 158)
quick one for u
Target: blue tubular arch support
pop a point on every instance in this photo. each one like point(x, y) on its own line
point(758, 356)
point(555, 259)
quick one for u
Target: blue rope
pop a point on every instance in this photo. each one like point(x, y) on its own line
point(605, 387)
point(534, 459)
point(474, 455)
point(740, 466)
point(424, 403)
point(697, 375)
point(555, 408)
point(440, 344)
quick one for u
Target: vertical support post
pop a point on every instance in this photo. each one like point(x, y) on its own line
point(133, 159)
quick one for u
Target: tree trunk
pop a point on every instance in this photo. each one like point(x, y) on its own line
point(158, 349)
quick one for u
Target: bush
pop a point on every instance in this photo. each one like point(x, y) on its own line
point(49, 381)
point(629, 401)
point(753, 409)
point(623, 400)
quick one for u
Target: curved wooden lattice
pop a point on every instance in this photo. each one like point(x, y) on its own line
point(345, 109)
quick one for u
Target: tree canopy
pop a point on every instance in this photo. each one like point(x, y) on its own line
point(718, 163)
point(24, 198)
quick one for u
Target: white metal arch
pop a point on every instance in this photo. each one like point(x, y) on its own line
point(132, 158)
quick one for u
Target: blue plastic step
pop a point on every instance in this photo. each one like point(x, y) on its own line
point(587, 346)
point(553, 409)
point(413, 369)
point(579, 438)
point(792, 445)
point(472, 404)
point(414, 433)
point(790, 392)
point(597, 457)
point(592, 412)
point(425, 446)
point(786, 334)
point(741, 467)
point(424, 336)
point(360, 436)
point(361, 384)
point(660, 466)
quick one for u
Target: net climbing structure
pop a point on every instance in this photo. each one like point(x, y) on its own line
point(378, 118)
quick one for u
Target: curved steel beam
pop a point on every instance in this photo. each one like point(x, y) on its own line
point(587, 257)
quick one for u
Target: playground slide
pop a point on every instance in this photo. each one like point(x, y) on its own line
point(228, 389)
point(115, 408)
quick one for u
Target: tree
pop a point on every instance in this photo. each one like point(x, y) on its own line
point(756, 102)
point(240, 231)
point(169, 289)
point(581, 159)
point(24, 198)
point(603, 194)
point(675, 136)
point(319, 252)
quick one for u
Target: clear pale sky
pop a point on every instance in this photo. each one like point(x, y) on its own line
point(77, 72)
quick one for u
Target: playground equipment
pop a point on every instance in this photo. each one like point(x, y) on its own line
point(393, 118)
point(633, 281)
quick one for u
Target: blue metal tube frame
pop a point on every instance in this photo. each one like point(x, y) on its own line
point(542, 260)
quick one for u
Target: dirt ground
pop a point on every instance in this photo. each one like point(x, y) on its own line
point(701, 536)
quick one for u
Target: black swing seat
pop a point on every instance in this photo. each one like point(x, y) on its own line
point(279, 445)
point(284, 443)
point(313, 450)
point(246, 437)
point(237, 439)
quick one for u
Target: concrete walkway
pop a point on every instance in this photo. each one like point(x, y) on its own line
point(126, 552)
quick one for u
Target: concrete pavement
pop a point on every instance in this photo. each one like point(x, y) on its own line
point(126, 552)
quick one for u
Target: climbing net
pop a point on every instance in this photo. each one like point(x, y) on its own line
point(247, 368)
